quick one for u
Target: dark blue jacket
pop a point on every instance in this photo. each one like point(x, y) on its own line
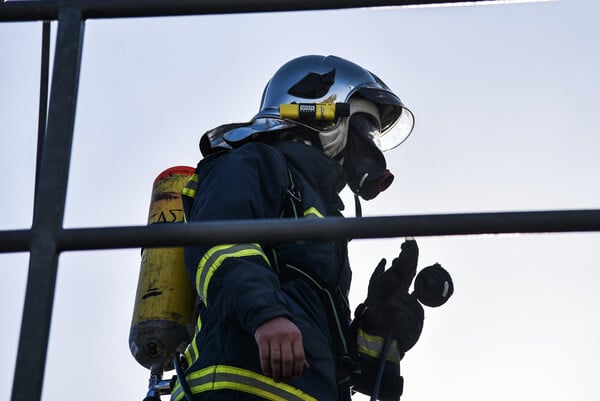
point(241, 286)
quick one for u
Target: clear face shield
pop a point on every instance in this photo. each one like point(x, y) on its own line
point(397, 133)
point(396, 126)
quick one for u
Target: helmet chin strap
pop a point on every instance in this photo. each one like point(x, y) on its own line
point(334, 141)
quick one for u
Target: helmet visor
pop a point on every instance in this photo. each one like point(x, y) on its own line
point(396, 134)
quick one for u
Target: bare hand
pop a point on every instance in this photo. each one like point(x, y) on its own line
point(281, 349)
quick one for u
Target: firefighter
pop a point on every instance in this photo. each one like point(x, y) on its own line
point(273, 318)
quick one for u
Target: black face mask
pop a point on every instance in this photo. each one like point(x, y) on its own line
point(364, 163)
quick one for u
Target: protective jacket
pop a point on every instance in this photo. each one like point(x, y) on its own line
point(240, 286)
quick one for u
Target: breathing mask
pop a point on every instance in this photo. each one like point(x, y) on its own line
point(363, 162)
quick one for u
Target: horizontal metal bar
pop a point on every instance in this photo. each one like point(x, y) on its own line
point(281, 230)
point(15, 240)
point(48, 10)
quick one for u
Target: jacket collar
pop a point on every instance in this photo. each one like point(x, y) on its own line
point(322, 173)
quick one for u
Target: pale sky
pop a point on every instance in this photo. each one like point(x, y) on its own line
point(505, 101)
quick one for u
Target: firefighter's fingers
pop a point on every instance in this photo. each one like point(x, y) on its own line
point(299, 359)
point(263, 337)
point(276, 361)
point(275, 338)
point(287, 359)
point(265, 357)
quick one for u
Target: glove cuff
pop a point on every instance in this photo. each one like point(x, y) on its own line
point(371, 345)
point(392, 383)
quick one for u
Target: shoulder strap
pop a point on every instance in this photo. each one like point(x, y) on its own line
point(293, 200)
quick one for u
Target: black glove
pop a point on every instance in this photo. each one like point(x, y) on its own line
point(389, 307)
point(398, 277)
point(406, 317)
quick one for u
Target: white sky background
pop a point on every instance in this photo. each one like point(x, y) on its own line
point(505, 99)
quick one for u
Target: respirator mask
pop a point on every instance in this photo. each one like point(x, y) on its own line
point(363, 162)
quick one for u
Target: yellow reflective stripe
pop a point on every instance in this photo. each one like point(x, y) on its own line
point(177, 393)
point(312, 212)
point(191, 186)
point(372, 345)
point(191, 351)
point(191, 193)
point(213, 259)
point(198, 324)
point(224, 377)
point(195, 352)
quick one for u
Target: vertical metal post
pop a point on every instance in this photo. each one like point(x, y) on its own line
point(49, 209)
point(43, 104)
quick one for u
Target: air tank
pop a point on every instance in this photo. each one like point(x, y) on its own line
point(163, 314)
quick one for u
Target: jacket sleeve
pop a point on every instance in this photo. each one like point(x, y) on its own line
point(236, 281)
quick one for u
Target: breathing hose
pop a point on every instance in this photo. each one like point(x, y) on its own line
point(187, 391)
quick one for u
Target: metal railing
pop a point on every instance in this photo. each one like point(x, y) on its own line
point(47, 239)
point(50, 10)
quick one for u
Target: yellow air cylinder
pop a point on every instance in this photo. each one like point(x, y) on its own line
point(163, 314)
